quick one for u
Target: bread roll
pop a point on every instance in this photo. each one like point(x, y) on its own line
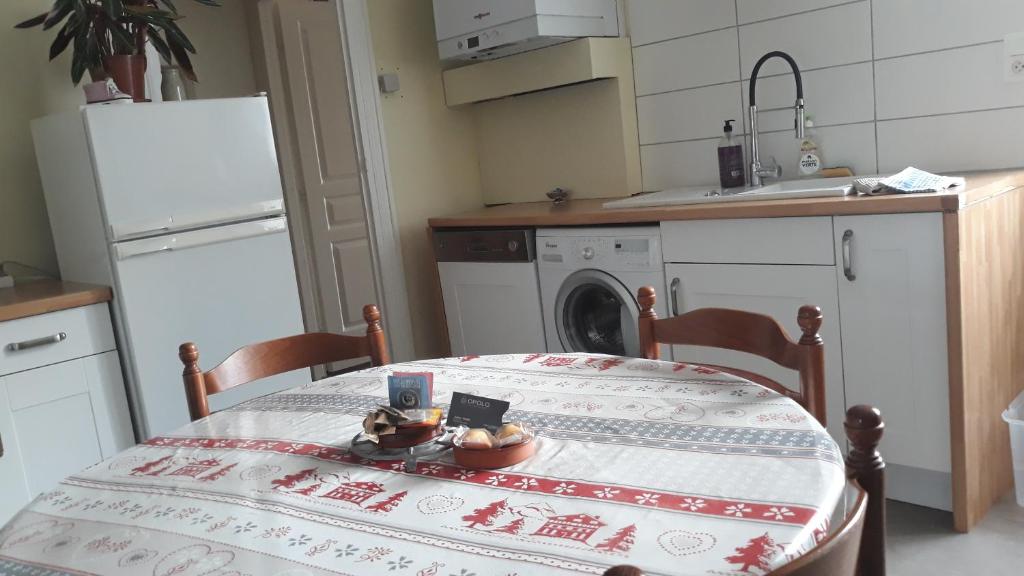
point(477, 439)
point(509, 431)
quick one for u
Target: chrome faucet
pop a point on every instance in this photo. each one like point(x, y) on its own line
point(773, 170)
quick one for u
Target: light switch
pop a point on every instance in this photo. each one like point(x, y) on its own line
point(1013, 57)
point(388, 83)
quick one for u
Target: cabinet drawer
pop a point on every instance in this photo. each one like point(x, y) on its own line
point(87, 330)
point(804, 240)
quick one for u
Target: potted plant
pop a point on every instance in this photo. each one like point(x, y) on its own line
point(110, 36)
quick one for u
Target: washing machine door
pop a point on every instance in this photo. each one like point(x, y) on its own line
point(594, 312)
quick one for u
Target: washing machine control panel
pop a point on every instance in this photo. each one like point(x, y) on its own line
point(612, 253)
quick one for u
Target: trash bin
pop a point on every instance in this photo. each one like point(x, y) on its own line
point(1014, 416)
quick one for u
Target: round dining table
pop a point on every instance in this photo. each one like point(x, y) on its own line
point(674, 468)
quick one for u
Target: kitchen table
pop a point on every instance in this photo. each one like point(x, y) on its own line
point(675, 468)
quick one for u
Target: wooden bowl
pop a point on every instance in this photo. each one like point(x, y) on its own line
point(495, 457)
point(409, 436)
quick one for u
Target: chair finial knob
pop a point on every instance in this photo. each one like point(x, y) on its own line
point(646, 297)
point(809, 319)
point(189, 355)
point(371, 314)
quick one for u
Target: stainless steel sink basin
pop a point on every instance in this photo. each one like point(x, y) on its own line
point(812, 188)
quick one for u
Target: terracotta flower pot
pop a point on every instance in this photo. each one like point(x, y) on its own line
point(129, 73)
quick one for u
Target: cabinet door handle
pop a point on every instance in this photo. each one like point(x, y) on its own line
point(674, 296)
point(848, 256)
point(44, 341)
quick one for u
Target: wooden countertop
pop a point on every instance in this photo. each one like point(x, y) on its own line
point(40, 297)
point(980, 185)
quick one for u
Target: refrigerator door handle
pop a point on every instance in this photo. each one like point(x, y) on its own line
point(197, 238)
point(121, 231)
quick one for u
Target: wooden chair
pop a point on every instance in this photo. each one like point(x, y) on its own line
point(745, 332)
point(857, 546)
point(274, 357)
point(836, 555)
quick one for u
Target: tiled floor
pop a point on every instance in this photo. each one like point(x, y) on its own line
point(922, 542)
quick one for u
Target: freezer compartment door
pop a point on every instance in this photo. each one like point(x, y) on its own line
point(201, 163)
point(222, 288)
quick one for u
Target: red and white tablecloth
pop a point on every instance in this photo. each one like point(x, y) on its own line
point(677, 469)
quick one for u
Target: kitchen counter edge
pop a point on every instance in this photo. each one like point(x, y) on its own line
point(589, 212)
point(44, 296)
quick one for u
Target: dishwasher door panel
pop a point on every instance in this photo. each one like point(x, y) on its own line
point(492, 308)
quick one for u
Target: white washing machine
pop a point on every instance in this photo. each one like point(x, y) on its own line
point(588, 283)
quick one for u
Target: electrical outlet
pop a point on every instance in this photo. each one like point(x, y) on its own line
point(1017, 65)
point(1013, 57)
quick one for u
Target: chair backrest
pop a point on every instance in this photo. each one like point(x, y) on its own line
point(265, 359)
point(745, 332)
point(837, 554)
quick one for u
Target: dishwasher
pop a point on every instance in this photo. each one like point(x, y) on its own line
point(491, 291)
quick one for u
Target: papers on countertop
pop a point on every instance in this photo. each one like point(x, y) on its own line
point(909, 181)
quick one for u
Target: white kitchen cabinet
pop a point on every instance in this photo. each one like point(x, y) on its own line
point(882, 294)
point(798, 240)
point(62, 403)
point(479, 296)
point(892, 298)
point(777, 291)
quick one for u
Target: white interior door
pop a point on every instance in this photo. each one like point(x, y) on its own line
point(314, 102)
point(777, 291)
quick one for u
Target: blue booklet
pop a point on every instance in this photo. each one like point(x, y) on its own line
point(411, 390)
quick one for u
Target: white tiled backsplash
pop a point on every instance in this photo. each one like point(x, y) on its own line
point(890, 83)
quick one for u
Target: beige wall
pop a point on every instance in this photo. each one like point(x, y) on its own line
point(32, 87)
point(431, 151)
point(224, 60)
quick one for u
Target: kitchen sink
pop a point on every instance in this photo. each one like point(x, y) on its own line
point(811, 188)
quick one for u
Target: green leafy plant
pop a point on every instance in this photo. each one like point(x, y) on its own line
point(101, 28)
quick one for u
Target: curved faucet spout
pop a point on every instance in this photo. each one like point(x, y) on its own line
point(757, 171)
point(757, 69)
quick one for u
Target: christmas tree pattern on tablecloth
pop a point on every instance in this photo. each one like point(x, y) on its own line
point(485, 516)
point(512, 527)
point(389, 504)
point(308, 490)
point(756, 554)
point(291, 480)
point(150, 466)
point(622, 541)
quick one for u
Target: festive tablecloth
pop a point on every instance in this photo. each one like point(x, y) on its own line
point(677, 469)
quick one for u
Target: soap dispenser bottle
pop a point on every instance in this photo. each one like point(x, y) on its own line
point(811, 162)
point(730, 159)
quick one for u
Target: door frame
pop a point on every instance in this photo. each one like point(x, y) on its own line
point(367, 118)
point(354, 19)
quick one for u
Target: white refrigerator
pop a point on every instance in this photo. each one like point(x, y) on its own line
point(179, 207)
